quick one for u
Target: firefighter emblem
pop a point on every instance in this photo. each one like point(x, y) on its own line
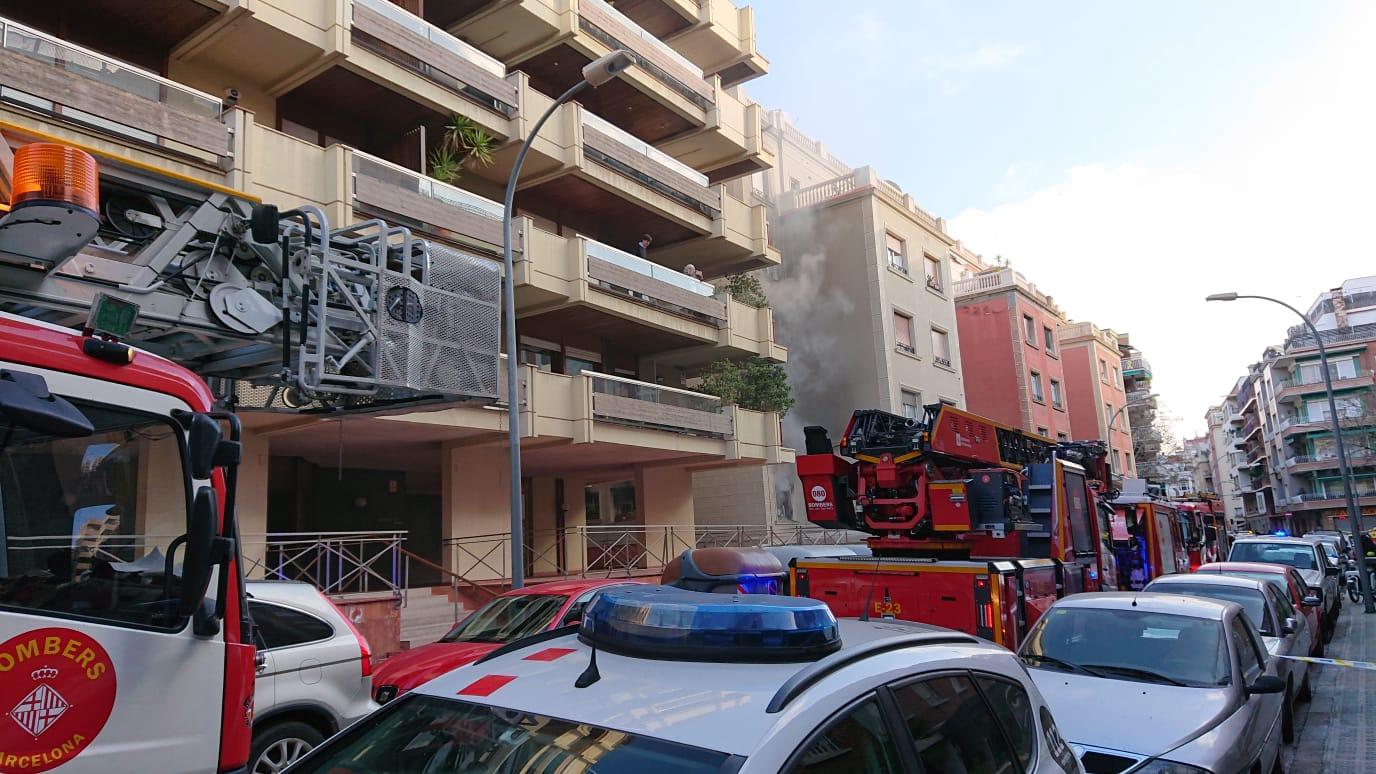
point(57, 688)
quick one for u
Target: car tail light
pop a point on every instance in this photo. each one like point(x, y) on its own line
point(363, 648)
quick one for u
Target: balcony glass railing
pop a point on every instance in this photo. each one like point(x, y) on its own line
point(395, 174)
point(129, 80)
point(627, 401)
point(435, 35)
point(643, 148)
point(1312, 379)
point(649, 269)
point(643, 37)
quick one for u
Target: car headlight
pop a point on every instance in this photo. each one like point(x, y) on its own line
point(1160, 766)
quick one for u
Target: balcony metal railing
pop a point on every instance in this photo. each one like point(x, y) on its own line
point(410, 41)
point(597, 551)
point(86, 87)
point(616, 30)
point(641, 404)
point(1316, 380)
point(444, 209)
point(647, 281)
point(1299, 337)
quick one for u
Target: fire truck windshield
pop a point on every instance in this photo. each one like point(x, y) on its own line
point(86, 523)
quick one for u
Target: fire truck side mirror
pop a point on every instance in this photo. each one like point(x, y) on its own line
point(203, 441)
point(198, 558)
point(263, 223)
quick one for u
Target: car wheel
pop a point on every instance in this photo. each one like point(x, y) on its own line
point(278, 746)
point(1328, 632)
point(1278, 767)
point(1287, 719)
point(1318, 649)
point(1307, 687)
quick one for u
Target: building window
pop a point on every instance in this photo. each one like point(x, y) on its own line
point(1108, 416)
point(1062, 437)
point(1117, 462)
point(1037, 394)
point(1117, 379)
point(1127, 461)
point(897, 250)
point(933, 267)
point(1042, 431)
point(941, 347)
point(1103, 370)
point(903, 332)
point(1056, 399)
point(1029, 329)
point(911, 401)
point(1049, 337)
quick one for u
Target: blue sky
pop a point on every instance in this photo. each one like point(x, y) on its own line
point(1128, 157)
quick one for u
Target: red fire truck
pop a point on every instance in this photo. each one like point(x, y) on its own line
point(125, 642)
point(975, 525)
point(1203, 528)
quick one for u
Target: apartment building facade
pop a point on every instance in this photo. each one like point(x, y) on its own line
point(1223, 461)
point(1094, 389)
point(1010, 347)
point(343, 104)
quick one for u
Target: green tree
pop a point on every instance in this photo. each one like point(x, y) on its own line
point(756, 384)
point(746, 288)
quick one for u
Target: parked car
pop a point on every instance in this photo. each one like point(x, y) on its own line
point(314, 672)
point(1288, 580)
point(1158, 682)
point(1338, 539)
point(688, 682)
point(1282, 629)
point(517, 613)
point(1319, 574)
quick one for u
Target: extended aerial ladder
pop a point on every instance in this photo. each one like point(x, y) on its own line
point(279, 311)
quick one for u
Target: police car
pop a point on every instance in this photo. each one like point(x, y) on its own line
point(670, 681)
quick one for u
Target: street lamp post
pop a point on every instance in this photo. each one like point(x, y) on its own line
point(1354, 514)
point(595, 74)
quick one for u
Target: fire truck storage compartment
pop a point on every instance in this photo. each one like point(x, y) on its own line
point(997, 599)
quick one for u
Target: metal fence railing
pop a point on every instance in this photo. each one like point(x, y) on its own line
point(615, 550)
point(334, 562)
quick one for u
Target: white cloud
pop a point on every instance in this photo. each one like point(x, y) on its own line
point(1281, 205)
point(953, 71)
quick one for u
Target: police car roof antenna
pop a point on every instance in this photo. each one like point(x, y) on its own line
point(590, 675)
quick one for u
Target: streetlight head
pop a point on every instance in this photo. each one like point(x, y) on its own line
point(1222, 297)
point(605, 68)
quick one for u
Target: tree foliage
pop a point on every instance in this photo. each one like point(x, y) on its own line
point(746, 288)
point(756, 384)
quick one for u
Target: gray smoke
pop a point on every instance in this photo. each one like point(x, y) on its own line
point(807, 314)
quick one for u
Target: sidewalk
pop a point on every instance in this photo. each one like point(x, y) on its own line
point(1336, 732)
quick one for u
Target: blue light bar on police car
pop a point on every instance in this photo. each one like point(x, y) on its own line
point(671, 623)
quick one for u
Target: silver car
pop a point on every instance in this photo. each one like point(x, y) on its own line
point(1283, 630)
point(1156, 683)
point(314, 672)
point(1320, 575)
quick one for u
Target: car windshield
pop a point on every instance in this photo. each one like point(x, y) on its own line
point(1299, 557)
point(508, 618)
point(430, 734)
point(1331, 550)
point(1130, 644)
point(1251, 600)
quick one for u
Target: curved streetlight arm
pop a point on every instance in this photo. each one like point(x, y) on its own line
point(1354, 514)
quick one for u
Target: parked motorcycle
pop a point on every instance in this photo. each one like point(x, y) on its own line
point(1353, 583)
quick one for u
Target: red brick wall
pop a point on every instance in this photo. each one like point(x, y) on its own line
point(1081, 374)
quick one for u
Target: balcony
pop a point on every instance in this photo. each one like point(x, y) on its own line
point(101, 102)
point(621, 151)
point(664, 96)
point(1294, 389)
point(408, 40)
point(429, 207)
point(1311, 501)
point(715, 34)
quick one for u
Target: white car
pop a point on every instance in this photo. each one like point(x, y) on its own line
point(314, 672)
point(669, 681)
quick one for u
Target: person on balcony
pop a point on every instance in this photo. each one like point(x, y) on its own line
point(692, 271)
point(642, 246)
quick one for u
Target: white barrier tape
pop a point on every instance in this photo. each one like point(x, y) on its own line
point(1342, 662)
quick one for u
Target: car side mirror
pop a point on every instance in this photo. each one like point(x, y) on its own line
point(1289, 626)
point(1266, 684)
point(199, 559)
point(1313, 600)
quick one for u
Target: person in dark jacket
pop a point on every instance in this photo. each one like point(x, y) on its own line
point(643, 246)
